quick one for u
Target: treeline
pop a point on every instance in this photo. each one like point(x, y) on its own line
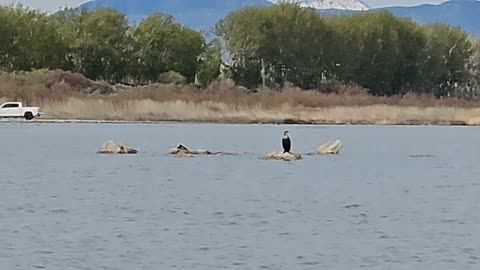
point(103, 46)
point(266, 46)
point(386, 54)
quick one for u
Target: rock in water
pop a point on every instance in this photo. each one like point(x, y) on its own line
point(182, 151)
point(115, 148)
point(176, 151)
point(283, 156)
point(183, 154)
point(330, 148)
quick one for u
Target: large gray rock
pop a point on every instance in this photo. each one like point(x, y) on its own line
point(329, 148)
point(283, 156)
point(116, 148)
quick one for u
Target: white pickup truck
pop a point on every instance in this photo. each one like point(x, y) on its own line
point(16, 109)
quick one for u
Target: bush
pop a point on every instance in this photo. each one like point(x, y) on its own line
point(172, 77)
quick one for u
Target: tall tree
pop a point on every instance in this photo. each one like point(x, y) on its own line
point(209, 63)
point(29, 40)
point(100, 45)
point(282, 43)
point(449, 55)
point(165, 45)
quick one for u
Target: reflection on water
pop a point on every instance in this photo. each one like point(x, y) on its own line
point(396, 198)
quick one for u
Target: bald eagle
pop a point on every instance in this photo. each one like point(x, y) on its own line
point(286, 143)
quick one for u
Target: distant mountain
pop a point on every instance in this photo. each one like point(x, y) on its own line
point(204, 14)
point(199, 14)
point(329, 4)
point(464, 13)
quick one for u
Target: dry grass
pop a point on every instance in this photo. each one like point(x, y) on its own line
point(227, 92)
point(209, 111)
point(63, 95)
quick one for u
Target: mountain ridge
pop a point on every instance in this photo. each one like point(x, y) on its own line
point(329, 4)
point(203, 15)
point(464, 13)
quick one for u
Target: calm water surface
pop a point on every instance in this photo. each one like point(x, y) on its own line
point(396, 198)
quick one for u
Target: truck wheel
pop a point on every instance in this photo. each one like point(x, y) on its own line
point(28, 115)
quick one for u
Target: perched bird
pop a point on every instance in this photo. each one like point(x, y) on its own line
point(286, 143)
point(182, 147)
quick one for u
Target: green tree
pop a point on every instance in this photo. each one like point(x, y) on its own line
point(209, 63)
point(8, 33)
point(100, 47)
point(164, 45)
point(449, 54)
point(30, 40)
point(266, 46)
point(277, 44)
point(380, 52)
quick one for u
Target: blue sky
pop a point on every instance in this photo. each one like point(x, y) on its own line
point(50, 5)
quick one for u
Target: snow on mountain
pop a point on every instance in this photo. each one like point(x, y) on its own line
point(329, 4)
point(204, 14)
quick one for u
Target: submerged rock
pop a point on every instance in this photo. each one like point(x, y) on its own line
point(329, 148)
point(183, 154)
point(115, 148)
point(176, 151)
point(283, 156)
point(182, 151)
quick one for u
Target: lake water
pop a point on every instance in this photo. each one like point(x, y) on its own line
point(396, 198)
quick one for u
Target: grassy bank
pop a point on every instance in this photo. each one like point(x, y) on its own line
point(70, 96)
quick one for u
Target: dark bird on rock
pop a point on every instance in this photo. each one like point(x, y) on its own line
point(286, 143)
point(182, 147)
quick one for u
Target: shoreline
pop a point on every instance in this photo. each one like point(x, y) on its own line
point(110, 110)
point(70, 98)
point(233, 122)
